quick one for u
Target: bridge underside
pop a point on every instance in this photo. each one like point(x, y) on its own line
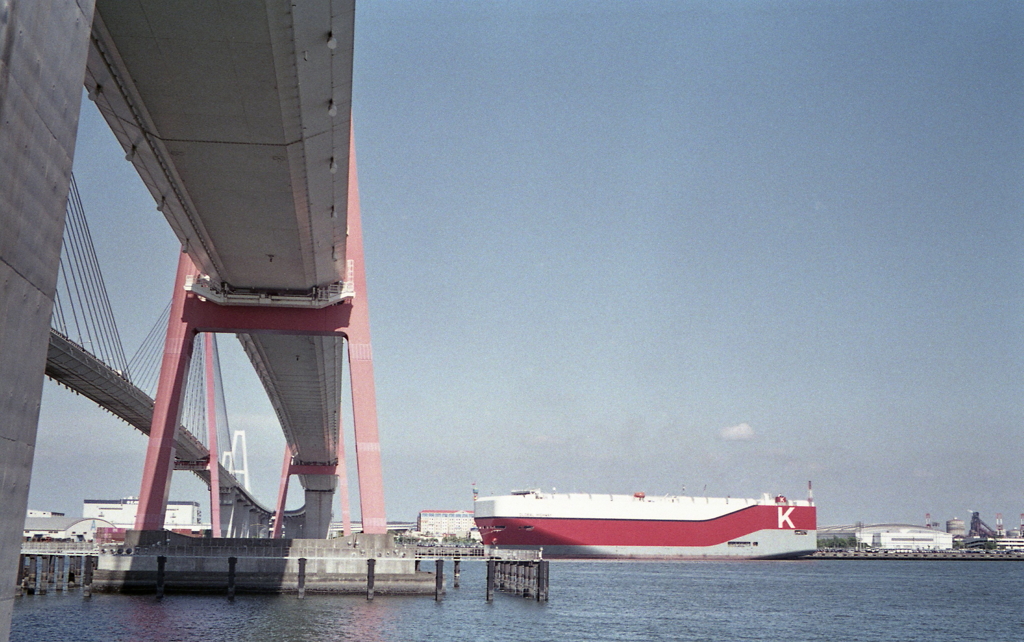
point(234, 113)
point(237, 117)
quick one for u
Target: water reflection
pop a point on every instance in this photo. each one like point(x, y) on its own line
point(146, 618)
point(592, 601)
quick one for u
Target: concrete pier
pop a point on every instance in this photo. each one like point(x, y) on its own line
point(229, 566)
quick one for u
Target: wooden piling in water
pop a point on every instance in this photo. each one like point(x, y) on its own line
point(490, 580)
point(87, 575)
point(371, 565)
point(33, 579)
point(61, 576)
point(542, 581)
point(42, 574)
point(161, 563)
point(438, 579)
point(455, 574)
point(302, 577)
point(28, 581)
point(528, 578)
point(232, 564)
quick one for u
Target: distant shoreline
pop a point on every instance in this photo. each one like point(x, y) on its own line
point(956, 555)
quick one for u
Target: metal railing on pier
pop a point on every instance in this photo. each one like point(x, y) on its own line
point(60, 548)
point(475, 552)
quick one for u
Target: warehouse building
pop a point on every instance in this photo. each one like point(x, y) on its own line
point(890, 536)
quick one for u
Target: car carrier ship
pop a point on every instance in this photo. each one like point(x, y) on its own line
point(591, 525)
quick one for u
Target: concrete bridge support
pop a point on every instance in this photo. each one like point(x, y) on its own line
point(226, 513)
point(239, 518)
point(43, 48)
point(318, 513)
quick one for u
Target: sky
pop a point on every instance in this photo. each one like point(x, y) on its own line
point(718, 248)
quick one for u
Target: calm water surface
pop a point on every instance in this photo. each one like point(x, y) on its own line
point(805, 600)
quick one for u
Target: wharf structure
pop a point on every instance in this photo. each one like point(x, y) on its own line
point(149, 561)
point(370, 564)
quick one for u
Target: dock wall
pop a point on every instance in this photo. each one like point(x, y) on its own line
point(138, 573)
point(259, 566)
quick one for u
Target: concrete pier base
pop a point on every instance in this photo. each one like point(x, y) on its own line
point(287, 566)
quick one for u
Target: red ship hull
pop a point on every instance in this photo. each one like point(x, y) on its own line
point(758, 531)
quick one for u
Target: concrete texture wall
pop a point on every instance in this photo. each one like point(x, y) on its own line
point(43, 48)
point(190, 574)
point(318, 513)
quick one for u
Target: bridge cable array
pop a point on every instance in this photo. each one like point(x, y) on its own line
point(145, 363)
point(82, 314)
point(81, 311)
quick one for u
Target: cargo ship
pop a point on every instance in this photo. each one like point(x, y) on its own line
point(585, 525)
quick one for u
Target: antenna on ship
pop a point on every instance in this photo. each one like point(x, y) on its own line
point(810, 493)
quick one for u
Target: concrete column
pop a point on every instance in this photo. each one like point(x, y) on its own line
point(227, 500)
point(294, 527)
point(229, 513)
point(236, 517)
point(318, 513)
point(43, 48)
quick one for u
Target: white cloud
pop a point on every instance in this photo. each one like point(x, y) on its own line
point(742, 432)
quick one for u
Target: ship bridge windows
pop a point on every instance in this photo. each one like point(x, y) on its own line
point(526, 528)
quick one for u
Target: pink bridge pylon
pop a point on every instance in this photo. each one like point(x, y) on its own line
point(350, 319)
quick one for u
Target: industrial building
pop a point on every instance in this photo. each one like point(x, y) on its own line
point(121, 513)
point(42, 525)
point(438, 523)
point(890, 536)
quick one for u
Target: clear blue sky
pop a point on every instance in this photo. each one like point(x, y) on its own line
point(640, 246)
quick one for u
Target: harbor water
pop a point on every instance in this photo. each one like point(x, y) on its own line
point(779, 600)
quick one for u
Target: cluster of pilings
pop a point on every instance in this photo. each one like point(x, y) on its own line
point(38, 574)
point(528, 578)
